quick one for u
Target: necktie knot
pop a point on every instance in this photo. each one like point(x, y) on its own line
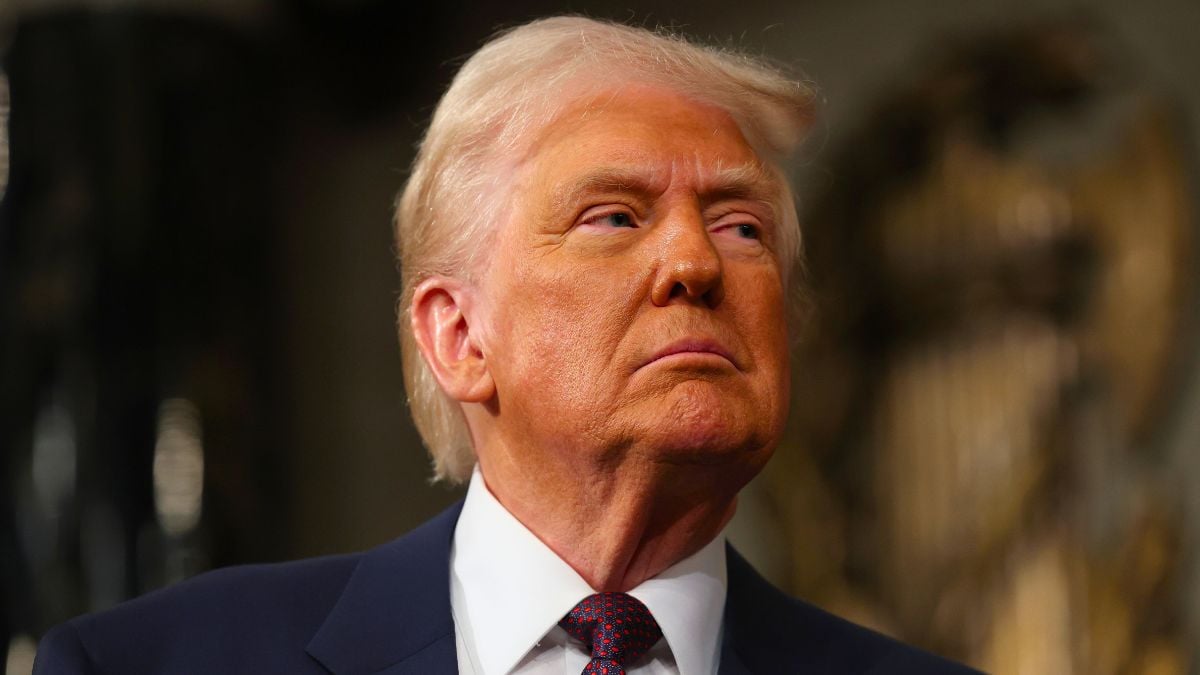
point(617, 628)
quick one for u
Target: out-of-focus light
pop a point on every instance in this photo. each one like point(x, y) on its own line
point(21, 650)
point(178, 467)
point(53, 461)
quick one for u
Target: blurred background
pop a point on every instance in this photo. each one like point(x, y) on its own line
point(993, 449)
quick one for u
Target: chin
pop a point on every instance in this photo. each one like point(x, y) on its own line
point(703, 424)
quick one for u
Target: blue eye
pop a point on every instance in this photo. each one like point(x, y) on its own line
point(618, 219)
point(747, 231)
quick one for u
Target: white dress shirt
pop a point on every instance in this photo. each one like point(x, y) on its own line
point(508, 591)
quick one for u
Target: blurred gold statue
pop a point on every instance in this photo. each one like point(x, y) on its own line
point(1001, 265)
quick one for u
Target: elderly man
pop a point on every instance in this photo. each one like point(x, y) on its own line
point(597, 244)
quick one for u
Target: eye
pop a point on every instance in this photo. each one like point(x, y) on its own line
point(617, 219)
point(737, 223)
point(611, 219)
point(747, 231)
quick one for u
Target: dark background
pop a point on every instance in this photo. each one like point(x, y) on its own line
point(198, 209)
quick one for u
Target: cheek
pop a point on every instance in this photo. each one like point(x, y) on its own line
point(759, 308)
point(560, 331)
point(760, 313)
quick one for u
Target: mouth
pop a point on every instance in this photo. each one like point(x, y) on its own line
point(700, 350)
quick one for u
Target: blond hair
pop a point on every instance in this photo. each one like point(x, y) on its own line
point(512, 87)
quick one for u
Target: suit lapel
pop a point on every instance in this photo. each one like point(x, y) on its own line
point(731, 664)
point(394, 615)
point(732, 637)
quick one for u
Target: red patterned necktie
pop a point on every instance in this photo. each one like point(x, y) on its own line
point(617, 628)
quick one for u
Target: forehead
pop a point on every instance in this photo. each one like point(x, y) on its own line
point(649, 132)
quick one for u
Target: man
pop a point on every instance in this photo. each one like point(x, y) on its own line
point(597, 244)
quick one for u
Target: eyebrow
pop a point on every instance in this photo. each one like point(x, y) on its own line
point(605, 179)
point(750, 181)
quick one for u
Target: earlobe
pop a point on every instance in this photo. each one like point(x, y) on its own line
point(447, 342)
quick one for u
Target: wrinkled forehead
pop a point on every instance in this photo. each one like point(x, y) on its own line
point(646, 134)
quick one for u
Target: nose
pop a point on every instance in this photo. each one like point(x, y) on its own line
point(689, 268)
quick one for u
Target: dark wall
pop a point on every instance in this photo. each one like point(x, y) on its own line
point(198, 209)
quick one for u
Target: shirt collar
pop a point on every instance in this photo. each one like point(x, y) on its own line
point(516, 589)
point(688, 601)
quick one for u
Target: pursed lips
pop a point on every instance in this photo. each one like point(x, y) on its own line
point(694, 345)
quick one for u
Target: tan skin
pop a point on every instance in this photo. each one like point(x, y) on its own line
point(622, 361)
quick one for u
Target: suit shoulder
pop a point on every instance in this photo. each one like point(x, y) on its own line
point(770, 630)
point(253, 607)
point(245, 591)
point(62, 651)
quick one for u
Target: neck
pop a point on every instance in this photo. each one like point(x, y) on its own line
point(616, 528)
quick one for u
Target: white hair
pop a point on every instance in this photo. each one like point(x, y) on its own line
point(511, 88)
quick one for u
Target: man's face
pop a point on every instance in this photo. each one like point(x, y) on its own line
point(635, 300)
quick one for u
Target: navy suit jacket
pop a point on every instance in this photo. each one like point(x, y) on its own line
point(387, 611)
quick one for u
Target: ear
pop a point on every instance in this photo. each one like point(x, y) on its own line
point(445, 338)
